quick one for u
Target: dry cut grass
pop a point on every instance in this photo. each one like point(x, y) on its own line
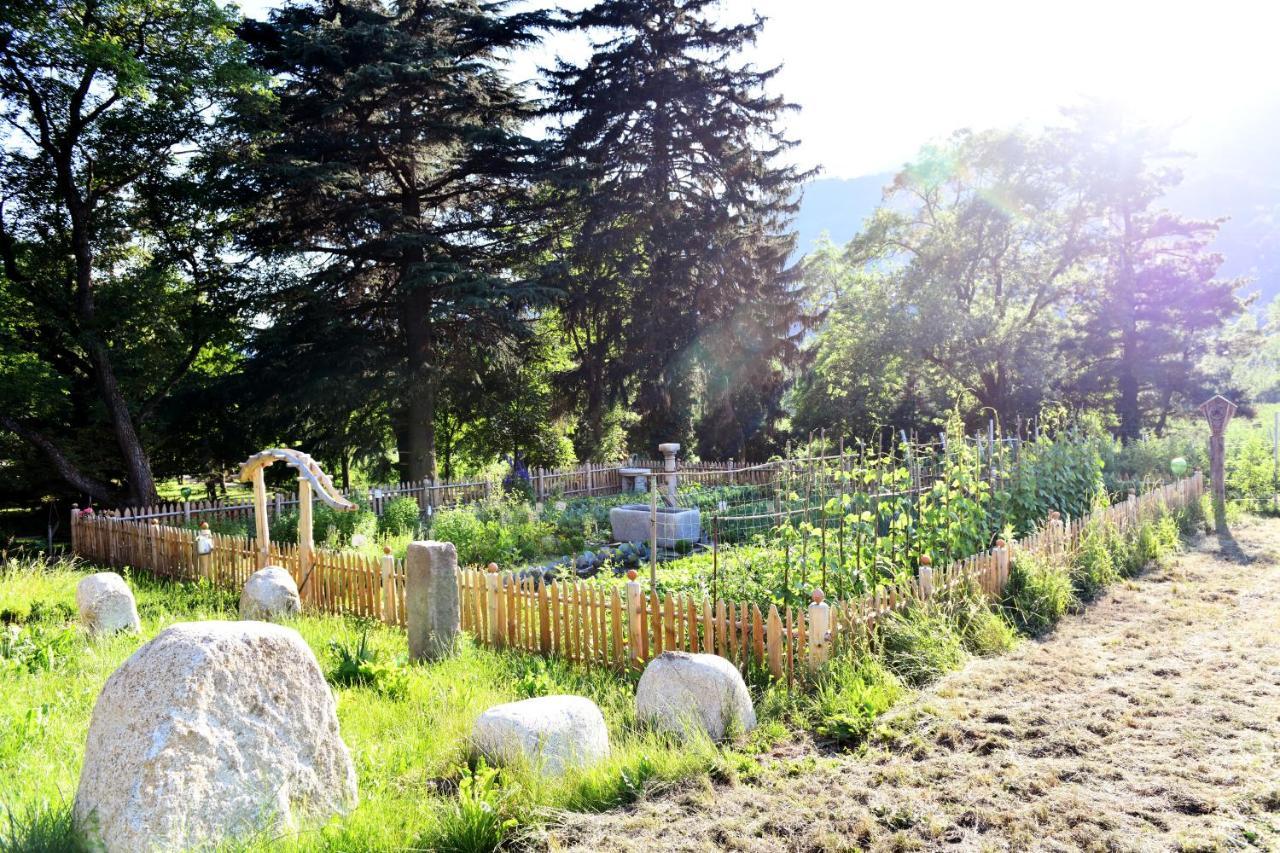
point(1149, 722)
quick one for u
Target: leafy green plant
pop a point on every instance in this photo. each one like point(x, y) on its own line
point(983, 631)
point(497, 530)
point(1093, 566)
point(477, 823)
point(362, 666)
point(399, 516)
point(849, 695)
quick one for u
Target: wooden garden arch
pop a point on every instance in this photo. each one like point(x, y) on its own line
point(310, 479)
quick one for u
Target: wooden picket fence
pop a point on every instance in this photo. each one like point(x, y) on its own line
point(617, 626)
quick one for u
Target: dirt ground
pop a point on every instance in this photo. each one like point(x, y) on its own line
point(1149, 722)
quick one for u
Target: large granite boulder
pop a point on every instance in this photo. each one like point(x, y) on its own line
point(106, 604)
point(270, 594)
point(212, 730)
point(683, 693)
point(552, 733)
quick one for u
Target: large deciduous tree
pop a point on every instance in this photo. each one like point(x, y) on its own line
point(389, 159)
point(677, 208)
point(113, 280)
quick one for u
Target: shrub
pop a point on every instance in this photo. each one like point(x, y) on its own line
point(399, 517)
point(496, 530)
point(849, 695)
point(1038, 594)
point(920, 644)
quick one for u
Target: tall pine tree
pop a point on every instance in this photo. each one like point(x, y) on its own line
point(390, 160)
point(677, 205)
point(1155, 308)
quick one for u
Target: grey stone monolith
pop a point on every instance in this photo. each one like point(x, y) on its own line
point(431, 599)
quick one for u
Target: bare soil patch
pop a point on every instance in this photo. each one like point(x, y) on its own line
point(1151, 721)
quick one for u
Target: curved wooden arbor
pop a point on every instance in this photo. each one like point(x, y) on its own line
point(310, 479)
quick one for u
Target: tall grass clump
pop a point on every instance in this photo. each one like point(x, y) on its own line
point(1038, 594)
point(984, 631)
point(1094, 566)
point(919, 644)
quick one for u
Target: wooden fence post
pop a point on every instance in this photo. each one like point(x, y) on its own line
point(926, 577)
point(204, 552)
point(819, 627)
point(388, 591)
point(635, 606)
point(306, 539)
point(262, 529)
point(492, 590)
point(1002, 565)
point(653, 540)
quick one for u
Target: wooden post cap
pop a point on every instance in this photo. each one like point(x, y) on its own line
point(631, 574)
point(492, 567)
point(386, 549)
point(204, 525)
point(999, 543)
point(926, 560)
point(818, 595)
point(1054, 515)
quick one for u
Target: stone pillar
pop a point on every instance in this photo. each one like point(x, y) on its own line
point(669, 452)
point(431, 599)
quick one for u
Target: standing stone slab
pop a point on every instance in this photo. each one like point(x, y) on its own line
point(270, 594)
point(106, 604)
point(682, 693)
point(431, 599)
point(212, 731)
point(552, 733)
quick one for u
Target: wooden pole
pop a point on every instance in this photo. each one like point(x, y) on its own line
point(306, 539)
point(653, 539)
point(635, 606)
point(261, 527)
point(819, 626)
point(388, 593)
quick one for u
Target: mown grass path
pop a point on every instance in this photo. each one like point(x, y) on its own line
point(1151, 721)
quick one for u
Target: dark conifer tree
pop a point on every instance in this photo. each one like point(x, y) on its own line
point(676, 214)
point(390, 160)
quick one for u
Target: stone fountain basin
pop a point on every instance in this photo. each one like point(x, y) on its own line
point(630, 523)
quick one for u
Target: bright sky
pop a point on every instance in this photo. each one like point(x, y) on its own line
point(876, 80)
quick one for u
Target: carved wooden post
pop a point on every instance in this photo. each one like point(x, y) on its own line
point(492, 586)
point(1002, 565)
point(1218, 411)
point(306, 540)
point(819, 627)
point(263, 531)
point(635, 604)
point(388, 591)
point(926, 576)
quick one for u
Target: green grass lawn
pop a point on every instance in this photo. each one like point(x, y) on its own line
point(409, 746)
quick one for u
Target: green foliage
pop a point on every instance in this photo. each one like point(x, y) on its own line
point(849, 695)
point(1038, 594)
point(399, 516)
point(1061, 471)
point(983, 630)
point(500, 530)
point(40, 828)
point(1093, 566)
point(477, 822)
point(919, 644)
point(360, 665)
point(1251, 469)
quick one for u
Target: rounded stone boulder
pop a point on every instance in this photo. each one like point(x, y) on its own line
point(212, 731)
point(682, 693)
point(106, 604)
point(270, 594)
point(552, 733)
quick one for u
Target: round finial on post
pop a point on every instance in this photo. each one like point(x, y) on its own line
point(1000, 543)
point(386, 549)
point(1054, 515)
point(204, 525)
point(818, 595)
point(492, 568)
point(631, 574)
point(926, 560)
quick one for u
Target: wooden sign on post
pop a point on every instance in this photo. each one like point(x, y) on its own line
point(1218, 411)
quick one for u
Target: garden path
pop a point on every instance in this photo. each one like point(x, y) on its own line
point(1151, 721)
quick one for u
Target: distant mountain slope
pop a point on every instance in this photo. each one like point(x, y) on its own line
point(1238, 180)
point(837, 206)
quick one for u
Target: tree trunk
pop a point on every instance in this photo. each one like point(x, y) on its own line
point(1127, 377)
point(141, 483)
